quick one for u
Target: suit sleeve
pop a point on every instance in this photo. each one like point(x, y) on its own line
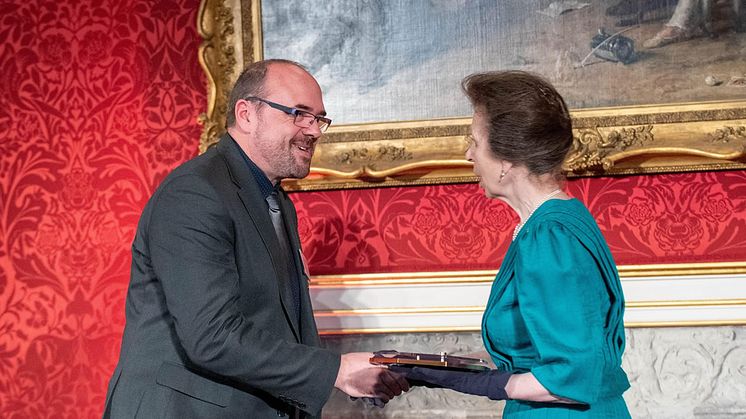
point(191, 241)
point(560, 299)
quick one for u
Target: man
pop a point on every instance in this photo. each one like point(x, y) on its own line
point(219, 319)
point(689, 20)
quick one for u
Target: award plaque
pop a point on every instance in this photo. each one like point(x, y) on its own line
point(441, 360)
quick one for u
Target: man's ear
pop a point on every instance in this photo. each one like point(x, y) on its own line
point(245, 114)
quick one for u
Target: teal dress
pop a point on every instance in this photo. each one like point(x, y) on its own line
point(556, 309)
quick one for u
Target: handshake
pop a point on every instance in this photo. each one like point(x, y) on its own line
point(376, 384)
point(379, 377)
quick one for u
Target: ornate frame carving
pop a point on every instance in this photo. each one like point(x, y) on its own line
point(608, 141)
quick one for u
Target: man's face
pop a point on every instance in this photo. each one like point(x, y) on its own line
point(278, 146)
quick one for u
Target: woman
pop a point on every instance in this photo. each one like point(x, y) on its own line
point(553, 322)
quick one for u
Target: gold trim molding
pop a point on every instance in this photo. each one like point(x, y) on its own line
point(459, 277)
point(608, 141)
point(398, 311)
point(448, 329)
point(460, 310)
point(404, 311)
point(693, 323)
point(486, 277)
point(366, 331)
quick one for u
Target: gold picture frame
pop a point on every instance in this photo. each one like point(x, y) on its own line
point(608, 141)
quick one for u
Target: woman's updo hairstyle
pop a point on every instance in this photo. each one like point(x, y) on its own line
point(528, 121)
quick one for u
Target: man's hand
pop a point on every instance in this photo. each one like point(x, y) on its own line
point(357, 377)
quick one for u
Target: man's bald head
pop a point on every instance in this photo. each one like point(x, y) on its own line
point(251, 82)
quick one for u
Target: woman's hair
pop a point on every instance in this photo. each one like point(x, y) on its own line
point(528, 121)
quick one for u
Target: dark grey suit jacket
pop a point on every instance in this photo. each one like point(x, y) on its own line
point(210, 327)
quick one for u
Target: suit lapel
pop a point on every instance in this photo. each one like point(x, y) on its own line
point(308, 324)
point(256, 207)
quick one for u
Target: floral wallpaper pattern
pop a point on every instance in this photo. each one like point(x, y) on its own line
point(672, 218)
point(99, 101)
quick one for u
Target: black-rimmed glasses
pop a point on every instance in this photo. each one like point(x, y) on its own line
point(303, 119)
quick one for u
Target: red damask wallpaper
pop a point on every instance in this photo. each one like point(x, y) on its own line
point(99, 100)
point(679, 218)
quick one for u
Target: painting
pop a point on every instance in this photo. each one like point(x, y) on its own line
point(654, 86)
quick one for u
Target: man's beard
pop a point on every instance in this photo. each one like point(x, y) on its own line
point(282, 158)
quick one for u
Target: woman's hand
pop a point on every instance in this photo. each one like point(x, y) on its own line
point(485, 383)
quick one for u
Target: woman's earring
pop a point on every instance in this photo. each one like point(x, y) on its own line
point(502, 175)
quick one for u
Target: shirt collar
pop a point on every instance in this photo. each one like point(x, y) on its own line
point(261, 179)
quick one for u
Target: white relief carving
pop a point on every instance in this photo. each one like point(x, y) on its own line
point(675, 372)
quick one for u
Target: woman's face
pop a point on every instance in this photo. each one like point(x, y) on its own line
point(486, 166)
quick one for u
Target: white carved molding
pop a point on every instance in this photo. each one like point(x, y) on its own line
point(675, 373)
point(374, 307)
